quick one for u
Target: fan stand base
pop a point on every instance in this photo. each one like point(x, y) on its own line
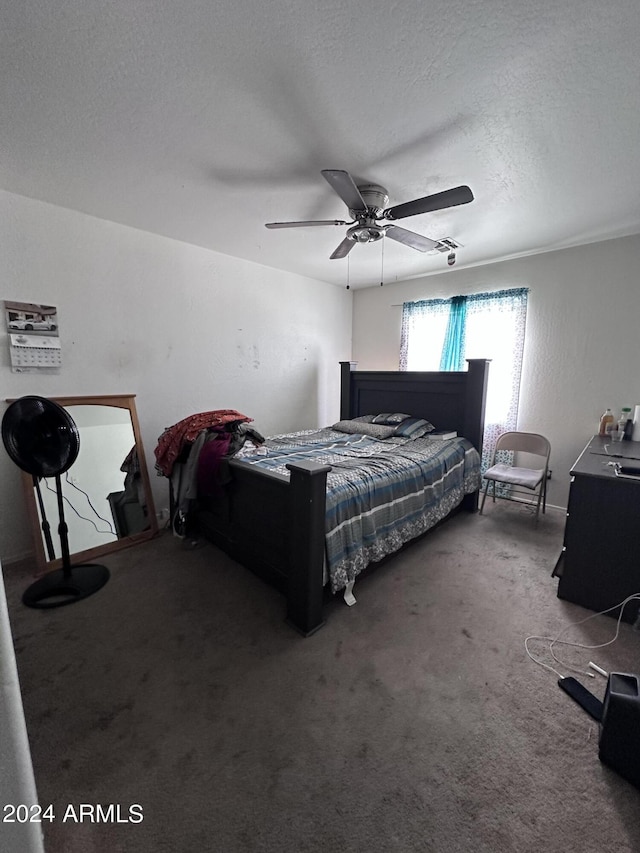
point(62, 586)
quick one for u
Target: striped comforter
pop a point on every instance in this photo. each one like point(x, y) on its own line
point(380, 494)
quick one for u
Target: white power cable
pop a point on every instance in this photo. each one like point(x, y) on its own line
point(553, 641)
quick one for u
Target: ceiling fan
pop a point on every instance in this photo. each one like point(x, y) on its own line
point(367, 206)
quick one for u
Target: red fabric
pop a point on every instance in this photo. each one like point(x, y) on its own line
point(174, 438)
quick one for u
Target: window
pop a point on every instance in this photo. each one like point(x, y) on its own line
point(439, 334)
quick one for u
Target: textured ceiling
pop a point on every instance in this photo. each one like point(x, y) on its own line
point(202, 121)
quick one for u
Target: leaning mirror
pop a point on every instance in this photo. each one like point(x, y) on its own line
point(107, 496)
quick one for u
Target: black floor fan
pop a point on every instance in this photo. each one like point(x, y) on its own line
point(42, 439)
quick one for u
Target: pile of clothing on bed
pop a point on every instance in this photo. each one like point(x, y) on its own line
point(192, 454)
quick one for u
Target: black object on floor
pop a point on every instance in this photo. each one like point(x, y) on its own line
point(619, 746)
point(587, 701)
point(42, 439)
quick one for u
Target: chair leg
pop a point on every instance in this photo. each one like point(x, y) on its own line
point(484, 496)
point(542, 498)
point(538, 503)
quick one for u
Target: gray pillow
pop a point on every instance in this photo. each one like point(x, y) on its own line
point(361, 428)
point(390, 418)
point(413, 428)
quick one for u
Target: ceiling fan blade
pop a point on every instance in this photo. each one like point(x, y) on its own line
point(410, 238)
point(304, 224)
point(343, 249)
point(437, 201)
point(342, 183)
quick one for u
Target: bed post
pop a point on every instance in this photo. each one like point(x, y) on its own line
point(308, 484)
point(345, 388)
point(475, 399)
point(476, 395)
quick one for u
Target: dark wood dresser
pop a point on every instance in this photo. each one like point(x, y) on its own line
point(599, 565)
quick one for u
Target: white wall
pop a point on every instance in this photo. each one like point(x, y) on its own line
point(183, 328)
point(17, 783)
point(582, 341)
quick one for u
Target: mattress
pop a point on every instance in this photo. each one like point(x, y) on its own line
point(381, 494)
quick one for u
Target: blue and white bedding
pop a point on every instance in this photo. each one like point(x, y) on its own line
point(380, 493)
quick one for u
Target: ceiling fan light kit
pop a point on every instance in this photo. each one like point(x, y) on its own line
point(367, 205)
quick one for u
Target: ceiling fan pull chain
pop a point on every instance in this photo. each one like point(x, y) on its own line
point(348, 272)
point(382, 265)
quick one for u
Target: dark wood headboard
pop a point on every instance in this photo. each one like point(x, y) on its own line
point(448, 399)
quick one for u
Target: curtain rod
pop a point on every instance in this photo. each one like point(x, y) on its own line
point(509, 291)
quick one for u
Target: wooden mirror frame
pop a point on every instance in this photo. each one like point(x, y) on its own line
point(44, 564)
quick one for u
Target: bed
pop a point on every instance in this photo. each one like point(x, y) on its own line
point(284, 514)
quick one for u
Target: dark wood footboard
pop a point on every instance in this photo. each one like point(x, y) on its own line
point(275, 525)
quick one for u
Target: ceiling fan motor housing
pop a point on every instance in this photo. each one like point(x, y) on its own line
point(375, 197)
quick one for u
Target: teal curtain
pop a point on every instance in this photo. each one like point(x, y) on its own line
point(440, 334)
point(453, 349)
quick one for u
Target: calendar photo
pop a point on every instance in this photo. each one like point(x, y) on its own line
point(31, 319)
point(34, 340)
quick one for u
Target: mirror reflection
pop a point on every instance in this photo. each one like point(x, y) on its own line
point(106, 492)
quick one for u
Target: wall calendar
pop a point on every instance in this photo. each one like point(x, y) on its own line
point(34, 340)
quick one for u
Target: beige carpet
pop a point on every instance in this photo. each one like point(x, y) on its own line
point(413, 721)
